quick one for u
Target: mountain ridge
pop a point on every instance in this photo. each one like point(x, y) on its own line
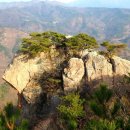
point(103, 23)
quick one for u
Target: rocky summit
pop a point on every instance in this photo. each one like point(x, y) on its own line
point(42, 79)
point(50, 65)
point(91, 70)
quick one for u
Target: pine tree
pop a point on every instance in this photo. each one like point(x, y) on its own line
point(112, 49)
point(108, 112)
point(41, 42)
point(106, 115)
point(70, 110)
point(10, 119)
point(81, 42)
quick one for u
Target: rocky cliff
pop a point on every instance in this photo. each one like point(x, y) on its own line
point(39, 80)
point(91, 70)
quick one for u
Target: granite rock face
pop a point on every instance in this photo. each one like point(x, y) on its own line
point(98, 69)
point(73, 74)
point(23, 70)
point(91, 69)
point(23, 74)
point(121, 67)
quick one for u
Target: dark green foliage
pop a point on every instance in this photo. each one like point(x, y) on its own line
point(10, 111)
point(51, 84)
point(112, 49)
point(101, 125)
point(23, 125)
point(41, 42)
point(98, 109)
point(80, 42)
point(50, 81)
point(57, 38)
point(10, 119)
point(127, 126)
point(99, 105)
point(103, 94)
point(122, 124)
point(108, 112)
point(115, 108)
point(101, 98)
point(70, 110)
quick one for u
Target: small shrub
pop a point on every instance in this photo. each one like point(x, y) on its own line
point(101, 125)
point(99, 105)
point(108, 111)
point(80, 42)
point(70, 110)
point(10, 119)
point(111, 49)
point(50, 81)
point(41, 42)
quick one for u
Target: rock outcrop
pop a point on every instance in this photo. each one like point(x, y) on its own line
point(73, 74)
point(22, 71)
point(98, 69)
point(23, 74)
point(121, 67)
point(91, 69)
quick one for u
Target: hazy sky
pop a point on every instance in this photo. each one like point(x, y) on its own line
point(90, 3)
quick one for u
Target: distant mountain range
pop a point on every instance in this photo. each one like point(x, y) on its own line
point(17, 19)
point(102, 23)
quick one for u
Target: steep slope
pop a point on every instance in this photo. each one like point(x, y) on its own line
point(25, 75)
point(9, 41)
point(39, 91)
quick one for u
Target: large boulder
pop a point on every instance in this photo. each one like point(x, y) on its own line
point(73, 74)
point(121, 67)
point(98, 70)
point(24, 73)
point(23, 70)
